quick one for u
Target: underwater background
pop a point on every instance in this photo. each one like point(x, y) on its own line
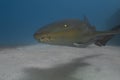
point(23, 58)
point(19, 19)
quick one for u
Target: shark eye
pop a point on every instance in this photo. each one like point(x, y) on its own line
point(65, 25)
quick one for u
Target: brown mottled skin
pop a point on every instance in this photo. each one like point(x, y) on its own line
point(72, 32)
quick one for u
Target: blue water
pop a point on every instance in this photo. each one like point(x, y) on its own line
point(19, 19)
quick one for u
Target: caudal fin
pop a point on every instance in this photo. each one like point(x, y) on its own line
point(102, 41)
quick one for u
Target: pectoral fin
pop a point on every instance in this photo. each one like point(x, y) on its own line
point(102, 41)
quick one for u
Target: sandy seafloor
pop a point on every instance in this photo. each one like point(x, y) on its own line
point(47, 62)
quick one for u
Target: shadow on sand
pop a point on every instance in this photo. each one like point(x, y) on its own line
point(59, 72)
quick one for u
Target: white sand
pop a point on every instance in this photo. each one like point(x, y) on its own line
point(46, 62)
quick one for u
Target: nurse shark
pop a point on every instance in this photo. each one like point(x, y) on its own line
point(74, 32)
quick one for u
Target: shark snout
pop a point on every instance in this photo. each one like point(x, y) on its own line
point(42, 37)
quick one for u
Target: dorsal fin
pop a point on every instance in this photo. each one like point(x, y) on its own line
point(85, 19)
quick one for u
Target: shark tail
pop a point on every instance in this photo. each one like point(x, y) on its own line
point(102, 41)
